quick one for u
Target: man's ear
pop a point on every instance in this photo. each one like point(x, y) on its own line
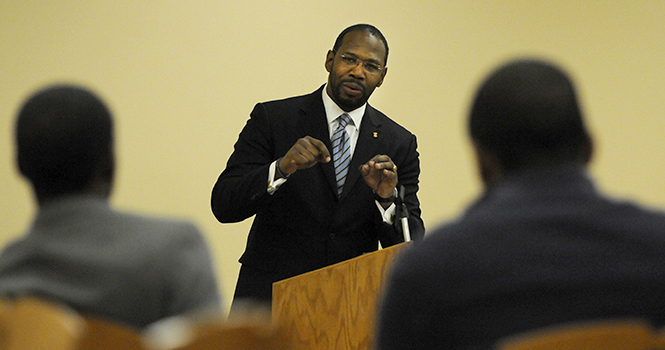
point(105, 171)
point(383, 76)
point(588, 150)
point(102, 179)
point(489, 166)
point(21, 166)
point(330, 57)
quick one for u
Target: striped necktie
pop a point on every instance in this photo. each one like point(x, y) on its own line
point(341, 151)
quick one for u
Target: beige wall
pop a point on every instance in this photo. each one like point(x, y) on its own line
point(182, 77)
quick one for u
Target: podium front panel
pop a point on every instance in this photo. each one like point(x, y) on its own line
point(334, 308)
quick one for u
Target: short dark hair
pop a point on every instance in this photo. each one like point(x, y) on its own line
point(367, 28)
point(63, 133)
point(527, 112)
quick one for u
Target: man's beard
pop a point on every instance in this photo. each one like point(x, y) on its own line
point(348, 104)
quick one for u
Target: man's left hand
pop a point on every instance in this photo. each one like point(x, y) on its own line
point(380, 174)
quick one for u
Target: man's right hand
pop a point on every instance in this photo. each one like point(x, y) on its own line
point(305, 153)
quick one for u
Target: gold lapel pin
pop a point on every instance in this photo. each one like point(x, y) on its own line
point(376, 134)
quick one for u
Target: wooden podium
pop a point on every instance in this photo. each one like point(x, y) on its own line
point(333, 308)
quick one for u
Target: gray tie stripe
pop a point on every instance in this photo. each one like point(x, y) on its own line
point(341, 151)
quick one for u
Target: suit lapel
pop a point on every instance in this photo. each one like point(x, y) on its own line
point(313, 122)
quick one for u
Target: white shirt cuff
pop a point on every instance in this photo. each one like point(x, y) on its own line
point(386, 214)
point(273, 185)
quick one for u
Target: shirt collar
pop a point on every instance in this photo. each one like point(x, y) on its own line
point(333, 111)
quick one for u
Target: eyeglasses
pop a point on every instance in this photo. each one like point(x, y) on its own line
point(369, 67)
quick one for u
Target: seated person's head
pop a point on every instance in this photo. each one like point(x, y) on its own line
point(526, 114)
point(64, 137)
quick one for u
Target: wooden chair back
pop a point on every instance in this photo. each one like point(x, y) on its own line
point(5, 310)
point(99, 334)
point(33, 323)
point(242, 336)
point(630, 334)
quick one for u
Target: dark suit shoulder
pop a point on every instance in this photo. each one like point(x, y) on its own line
point(377, 118)
point(295, 101)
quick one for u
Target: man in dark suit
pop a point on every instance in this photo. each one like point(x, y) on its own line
point(81, 252)
point(541, 246)
point(283, 171)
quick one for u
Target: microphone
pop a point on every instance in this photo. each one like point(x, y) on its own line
point(403, 215)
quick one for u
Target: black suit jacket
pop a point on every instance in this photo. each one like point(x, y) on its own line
point(304, 225)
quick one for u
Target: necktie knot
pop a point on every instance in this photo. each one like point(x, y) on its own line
point(344, 120)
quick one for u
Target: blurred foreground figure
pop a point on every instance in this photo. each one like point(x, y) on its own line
point(541, 246)
point(79, 251)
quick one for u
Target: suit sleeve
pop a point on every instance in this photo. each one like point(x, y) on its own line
point(408, 167)
point(242, 186)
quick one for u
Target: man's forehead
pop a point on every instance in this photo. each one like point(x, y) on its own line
point(357, 42)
